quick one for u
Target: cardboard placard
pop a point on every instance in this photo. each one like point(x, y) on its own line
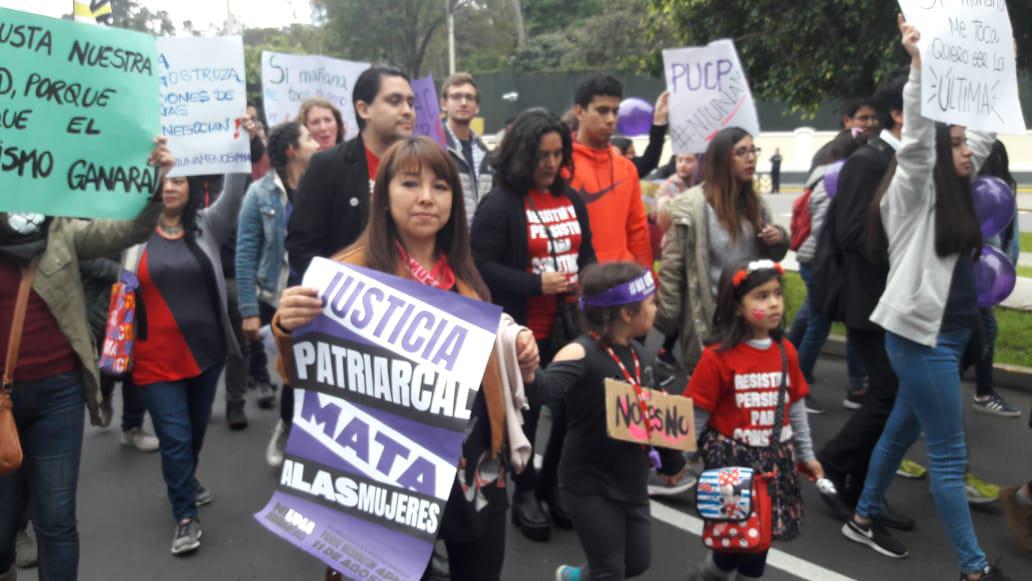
point(672, 417)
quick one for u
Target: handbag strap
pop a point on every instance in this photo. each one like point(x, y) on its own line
point(779, 412)
point(18, 324)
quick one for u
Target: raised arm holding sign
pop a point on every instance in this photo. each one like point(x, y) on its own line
point(78, 111)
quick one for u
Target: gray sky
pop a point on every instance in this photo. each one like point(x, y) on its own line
point(203, 13)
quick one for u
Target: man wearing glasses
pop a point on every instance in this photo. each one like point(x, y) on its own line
point(858, 115)
point(460, 101)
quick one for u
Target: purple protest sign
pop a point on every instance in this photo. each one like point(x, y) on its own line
point(428, 111)
point(382, 406)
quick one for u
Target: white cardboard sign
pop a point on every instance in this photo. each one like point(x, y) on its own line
point(968, 71)
point(289, 79)
point(708, 92)
point(203, 97)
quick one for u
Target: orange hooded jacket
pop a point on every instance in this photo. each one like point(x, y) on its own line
point(608, 184)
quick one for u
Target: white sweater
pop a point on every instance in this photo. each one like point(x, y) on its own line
point(918, 285)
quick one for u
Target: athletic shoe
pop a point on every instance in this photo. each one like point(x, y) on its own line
point(266, 394)
point(912, 470)
point(892, 519)
point(188, 537)
point(994, 404)
point(812, 407)
point(202, 495)
point(1019, 518)
point(663, 485)
point(979, 491)
point(854, 399)
point(278, 441)
point(25, 550)
point(567, 573)
point(140, 439)
point(875, 536)
point(990, 573)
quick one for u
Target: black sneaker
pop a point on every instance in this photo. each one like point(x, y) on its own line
point(875, 536)
point(854, 399)
point(812, 406)
point(991, 573)
point(188, 537)
point(235, 416)
point(203, 496)
point(895, 520)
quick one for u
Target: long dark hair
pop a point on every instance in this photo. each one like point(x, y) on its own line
point(998, 165)
point(845, 144)
point(202, 191)
point(956, 225)
point(517, 156)
point(281, 139)
point(452, 240)
point(732, 205)
point(597, 279)
point(729, 328)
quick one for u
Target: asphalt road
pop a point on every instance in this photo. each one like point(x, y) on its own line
point(126, 526)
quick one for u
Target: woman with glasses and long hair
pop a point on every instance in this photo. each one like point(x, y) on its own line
point(715, 224)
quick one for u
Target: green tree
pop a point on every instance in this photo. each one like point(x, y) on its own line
point(803, 53)
point(133, 15)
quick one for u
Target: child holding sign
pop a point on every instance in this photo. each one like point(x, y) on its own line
point(735, 391)
point(603, 480)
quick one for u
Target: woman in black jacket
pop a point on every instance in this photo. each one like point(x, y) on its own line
point(531, 237)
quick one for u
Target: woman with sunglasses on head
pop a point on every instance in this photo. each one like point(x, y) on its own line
point(715, 224)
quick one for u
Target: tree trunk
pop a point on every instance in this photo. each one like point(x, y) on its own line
point(521, 33)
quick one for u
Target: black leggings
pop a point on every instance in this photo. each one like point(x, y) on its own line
point(482, 559)
point(616, 536)
point(750, 565)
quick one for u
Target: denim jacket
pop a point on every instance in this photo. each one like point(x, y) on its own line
point(260, 251)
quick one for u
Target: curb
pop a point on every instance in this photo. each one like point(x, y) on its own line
point(1013, 377)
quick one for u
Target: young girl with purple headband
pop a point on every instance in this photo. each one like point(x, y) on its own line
point(602, 480)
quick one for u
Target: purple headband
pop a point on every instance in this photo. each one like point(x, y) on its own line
point(630, 292)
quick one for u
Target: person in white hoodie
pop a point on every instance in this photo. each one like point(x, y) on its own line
point(928, 309)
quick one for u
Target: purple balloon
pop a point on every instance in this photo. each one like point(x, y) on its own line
point(831, 178)
point(634, 117)
point(994, 204)
point(994, 277)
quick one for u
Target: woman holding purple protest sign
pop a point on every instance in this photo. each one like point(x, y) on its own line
point(417, 230)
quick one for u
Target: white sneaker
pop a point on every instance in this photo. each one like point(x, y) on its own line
point(140, 439)
point(278, 441)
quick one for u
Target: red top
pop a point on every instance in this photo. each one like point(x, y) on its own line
point(373, 164)
point(739, 388)
point(45, 351)
point(559, 215)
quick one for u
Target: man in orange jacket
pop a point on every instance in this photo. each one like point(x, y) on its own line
point(606, 181)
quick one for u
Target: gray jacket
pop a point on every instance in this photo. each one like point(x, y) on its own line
point(818, 209)
point(918, 286)
point(215, 224)
point(472, 192)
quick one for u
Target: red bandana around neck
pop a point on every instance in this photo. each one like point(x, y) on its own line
point(441, 276)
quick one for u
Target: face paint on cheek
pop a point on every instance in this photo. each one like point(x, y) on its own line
point(759, 314)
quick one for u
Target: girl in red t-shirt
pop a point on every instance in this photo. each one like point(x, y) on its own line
point(735, 391)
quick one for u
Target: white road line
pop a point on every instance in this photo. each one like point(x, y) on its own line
point(775, 558)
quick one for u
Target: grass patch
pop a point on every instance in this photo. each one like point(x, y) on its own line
point(1026, 241)
point(1013, 342)
point(1025, 271)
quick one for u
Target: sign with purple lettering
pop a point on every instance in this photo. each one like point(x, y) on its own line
point(968, 64)
point(428, 110)
point(384, 381)
point(708, 92)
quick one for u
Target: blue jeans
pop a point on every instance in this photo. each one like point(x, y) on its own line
point(929, 401)
point(180, 411)
point(49, 416)
point(984, 367)
point(809, 332)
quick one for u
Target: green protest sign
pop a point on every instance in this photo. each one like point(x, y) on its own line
point(79, 109)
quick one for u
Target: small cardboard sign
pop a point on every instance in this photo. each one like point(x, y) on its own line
point(672, 417)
